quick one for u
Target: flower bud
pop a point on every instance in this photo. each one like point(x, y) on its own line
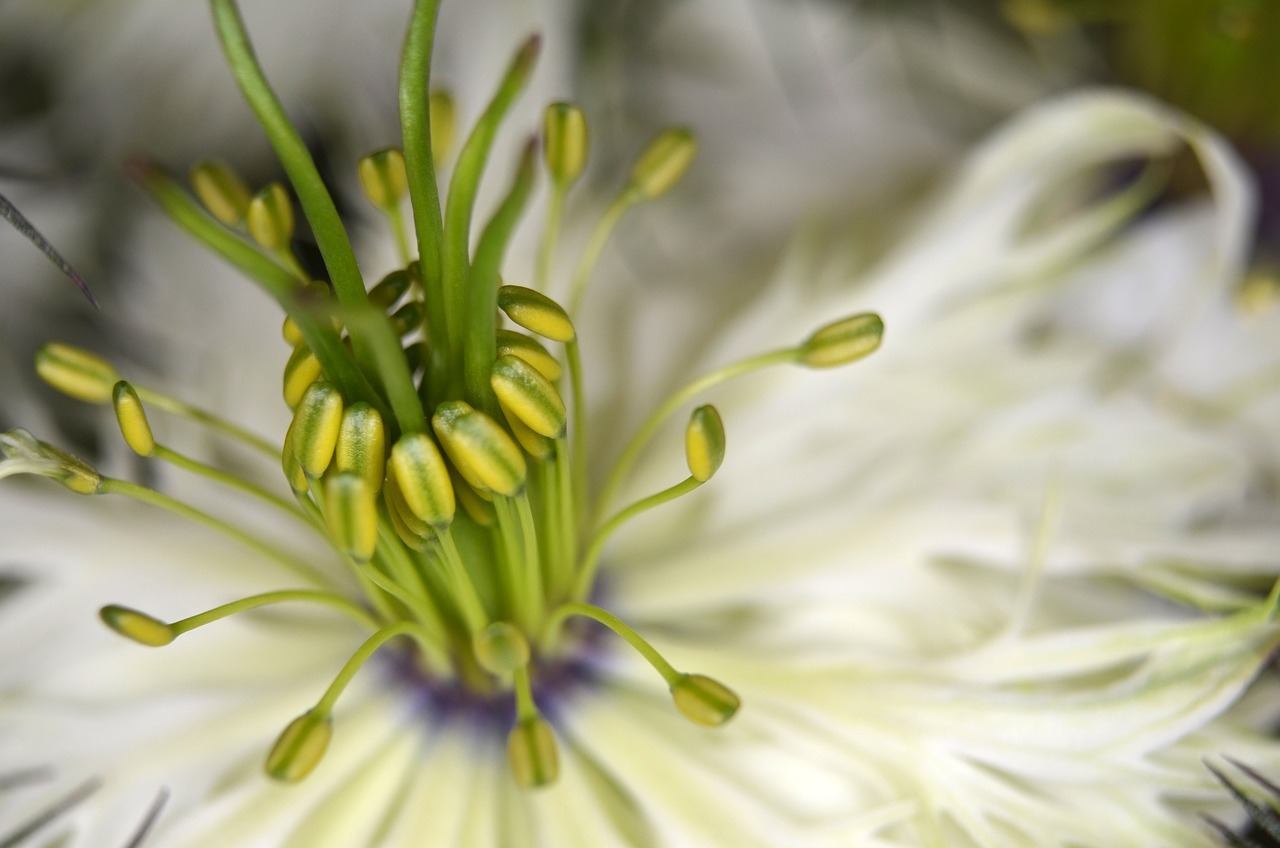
point(531, 351)
point(132, 419)
point(300, 747)
point(480, 449)
point(536, 312)
point(77, 373)
point(351, 515)
point(270, 217)
point(384, 178)
point(501, 648)
point(422, 479)
point(300, 371)
point(528, 396)
point(564, 133)
point(843, 341)
point(441, 113)
point(663, 163)
point(221, 191)
point(362, 444)
point(704, 443)
point(703, 700)
point(531, 748)
point(390, 289)
point(317, 421)
point(137, 626)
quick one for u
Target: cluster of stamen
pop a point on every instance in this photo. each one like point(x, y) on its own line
point(431, 446)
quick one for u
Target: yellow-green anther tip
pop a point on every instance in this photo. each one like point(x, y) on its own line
point(501, 648)
point(221, 191)
point(529, 396)
point(564, 130)
point(704, 443)
point(291, 332)
point(351, 515)
point(703, 700)
point(531, 351)
point(384, 178)
point(137, 626)
point(362, 444)
point(480, 448)
point(132, 419)
point(531, 748)
point(536, 312)
point(270, 217)
point(443, 127)
point(300, 371)
point(422, 479)
point(300, 747)
point(843, 341)
point(76, 372)
point(317, 423)
point(664, 162)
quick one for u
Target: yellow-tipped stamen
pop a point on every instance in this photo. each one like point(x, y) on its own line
point(351, 515)
point(293, 473)
point(300, 747)
point(76, 372)
point(564, 133)
point(704, 443)
point(528, 396)
point(291, 332)
point(422, 479)
point(444, 128)
point(137, 626)
point(479, 448)
point(704, 700)
point(664, 162)
point(511, 343)
point(221, 191)
point(132, 419)
point(300, 371)
point(536, 312)
point(385, 181)
point(317, 423)
point(270, 218)
point(534, 444)
point(842, 342)
point(531, 747)
point(362, 444)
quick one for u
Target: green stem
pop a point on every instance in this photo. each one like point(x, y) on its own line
point(404, 628)
point(525, 707)
point(579, 428)
point(551, 235)
point(591, 560)
point(337, 602)
point(174, 406)
point(599, 237)
point(464, 591)
point(619, 627)
point(217, 475)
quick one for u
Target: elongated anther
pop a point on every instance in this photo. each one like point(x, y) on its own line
point(422, 479)
point(291, 466)
point(536, 312)
point(480, 449)
point(221, 191)
point(137, 626)
point(531, 749)
point(534, 444)
point(477, 507)
point(384, 178)
point(302, 369)
point(317, 422)
point(703, 700)
point(704, 443)
point(300, 747)
point(564, 133)
point(351, 515)
point(132, 419)
point(270, 217)
point(663, 162)
point(362, 444)
point(531, 351)
point(843, 341)
point(527, 395)
point(76, 372)
point(442, 114)
point(291, 332)
point(411, 529)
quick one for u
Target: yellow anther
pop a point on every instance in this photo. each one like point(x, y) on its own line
point(317, 421)
point(300, 747)
point(132, 419)
point(408, 318)
point(384, 178)
point(527, 395)
point(531, 351)
point(443, 119)
point(423, 479)
point(704, 443)
point(477, 507)
point(663, 162)
point(531, 748)
point(564, 132)
point(704, 700)
point(138, 626)
point(501, 648)
point(390, 289)
point(411, 529)
point(362, 444)
point(351, 514)
point(480, 449)
point(291, 331)
point(270, 217)
point(75, 372)
point(534, 444)
point(221, 191)
point(843, 341)
point(536, 312)
point(300, 371)
point(291, 466)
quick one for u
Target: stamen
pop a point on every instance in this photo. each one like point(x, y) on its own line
point(302, 369)
point(362, 445)
point(564, 134)
point(221, 191)
point(385, 182)
point(704, 443)
point(536, 312)
point(76, 373)
point(501, 649)
point(479, 448)
point(270, 218)
point(510, 343)
point(351, 515)
point(531, 747)
point(317, 422)
point(528, 396)
point(418, 472)
point(132, 419)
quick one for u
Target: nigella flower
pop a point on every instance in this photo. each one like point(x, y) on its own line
point(450, 636)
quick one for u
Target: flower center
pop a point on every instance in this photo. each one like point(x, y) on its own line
point(440, 453)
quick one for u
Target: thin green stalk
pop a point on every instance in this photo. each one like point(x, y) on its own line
point(619, 627)
point(217, 475)
point(599, 237)
point(404, 628)
point(578, 433)
point(464, 590)
point(550, 235)
point(173, 406)
point(329, 599)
